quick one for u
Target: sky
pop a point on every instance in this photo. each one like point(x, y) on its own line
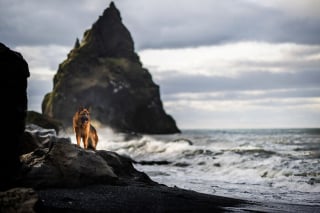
point(219, 64)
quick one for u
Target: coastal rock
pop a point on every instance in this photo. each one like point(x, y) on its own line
point(36, 137)
point(18, 200)
point(62, 177)
point(64, 165)
point(14, 75)
point(67, 178)
point(104, 74)
point(56, 162)
point(43, 121)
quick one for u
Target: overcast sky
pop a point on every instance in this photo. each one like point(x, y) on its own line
point(219, 64)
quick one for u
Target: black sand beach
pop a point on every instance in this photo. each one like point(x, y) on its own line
point(134, 198)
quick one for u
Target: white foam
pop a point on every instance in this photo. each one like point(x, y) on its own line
point(255, 166)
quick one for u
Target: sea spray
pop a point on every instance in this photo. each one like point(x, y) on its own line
point(280, 165)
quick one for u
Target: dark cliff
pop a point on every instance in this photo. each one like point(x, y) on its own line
point(14, 72)
point(103, 73)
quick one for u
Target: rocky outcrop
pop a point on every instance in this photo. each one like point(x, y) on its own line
point(64, 165)
point(58, 176)
point(43, 121)
point(56, 162)
point(104, 74)
point(14, 75)
point(18, 200)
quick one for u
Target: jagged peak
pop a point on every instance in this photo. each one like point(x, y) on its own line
point(112, 11)
point(76, 44)
point(112, 5)
point(108, 37)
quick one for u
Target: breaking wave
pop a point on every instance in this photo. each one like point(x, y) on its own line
point(278, 165)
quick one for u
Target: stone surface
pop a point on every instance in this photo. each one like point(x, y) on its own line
point(64, 165)
point(67, 178)
point(104, 74)
point(56, 162)
point(18, 200)
point(14, 75)
point(43, 121)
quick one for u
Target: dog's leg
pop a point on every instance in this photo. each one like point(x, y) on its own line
point(92, 142)
point(93, 137)
point(85, 142)
point(78, 137)
point(95, 140)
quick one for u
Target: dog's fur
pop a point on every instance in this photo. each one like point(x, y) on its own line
point(84, 130)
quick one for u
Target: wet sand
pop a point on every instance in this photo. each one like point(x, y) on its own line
point(135, 198)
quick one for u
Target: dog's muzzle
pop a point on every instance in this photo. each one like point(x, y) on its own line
point(84, 119)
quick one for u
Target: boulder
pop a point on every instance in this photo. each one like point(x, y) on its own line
point(56, 162)
point(43, 121)
point(18, 200)
point(104, 74)
point(64, 165)
point(37, 137)
point(59, 176)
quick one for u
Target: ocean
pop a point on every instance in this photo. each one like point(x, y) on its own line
point(276, 165)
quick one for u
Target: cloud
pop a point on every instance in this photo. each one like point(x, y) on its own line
point(249, 95)
point(245, 81)
point(161, 24)
point(43, 58)
point(46, 22)
point(259, 113)
point(247, 105)
point(37, 88)
point(229, 63)
point(177, 24)
point(243, 84)
point(244, 66)
point(230, 59)
point(306, 8)
point(43, 64)
point(245, 114)
point(214, 77)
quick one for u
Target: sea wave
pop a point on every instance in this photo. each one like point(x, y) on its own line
point(269, 164)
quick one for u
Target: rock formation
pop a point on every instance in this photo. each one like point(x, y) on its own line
point(18, 200)
point(104, 74)
point(14, 74)
point(58, 176)
point(43, 121)
point(56, 162)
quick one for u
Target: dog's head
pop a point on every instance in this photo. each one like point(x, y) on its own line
point(84, 115)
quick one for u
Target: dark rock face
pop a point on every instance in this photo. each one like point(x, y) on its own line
point(14, 74)
point(104, 74)
point(64, 165)
point(67, 178)
point(52, 161)
point(43, 121)
point(62, 177)
point(18, 200)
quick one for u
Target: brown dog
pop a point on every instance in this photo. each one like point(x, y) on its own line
point(84, 130)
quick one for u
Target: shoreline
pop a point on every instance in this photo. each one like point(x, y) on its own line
point(142, 198)
point(62, 177)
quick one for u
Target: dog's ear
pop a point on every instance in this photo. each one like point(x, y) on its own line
point(80, 108)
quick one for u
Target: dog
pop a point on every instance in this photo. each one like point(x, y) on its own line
point(84, 130)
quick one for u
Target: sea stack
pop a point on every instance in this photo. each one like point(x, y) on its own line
point(105, 74)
